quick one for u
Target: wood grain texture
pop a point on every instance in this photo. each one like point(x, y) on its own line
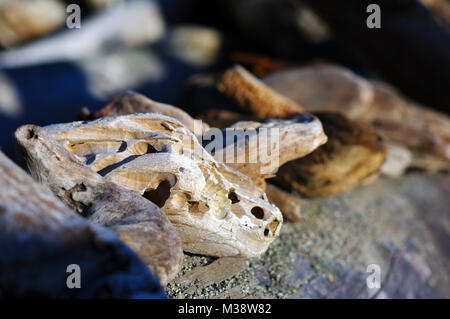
point(253, 96)
point(137, 221)
point(216, 210)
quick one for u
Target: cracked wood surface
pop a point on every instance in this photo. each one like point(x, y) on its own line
point(403, 225)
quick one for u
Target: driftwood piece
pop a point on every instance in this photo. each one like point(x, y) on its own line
point(426, 133)
point(140, 22)
point(297, 136)
point(40, 237)
point(24, 20)
point(252, 95)
point(324, 88)
point(331, 169)
point(287, 140)
point(216, 210)
point(131, 102)
point(353, 154)
point(289, 205)
point(138, 222)
point(259, 65)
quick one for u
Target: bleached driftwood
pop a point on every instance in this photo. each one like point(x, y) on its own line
point(253, 95)
point(287, 139)
point(40, 237)
point(352, 155)
point(216, 210)
point(137, 221)
point(298, 137)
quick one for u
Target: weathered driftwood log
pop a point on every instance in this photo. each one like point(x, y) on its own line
point(289, 205)
point(140, 22)
point(23, 20)
point(216, 210)
point(297, 137)
point(137, 221)
point(353, 154)
point(331, 169)
point(40, 237)
point(131, 102)
point(252, 95)
point(286, 140)
point(426, 133)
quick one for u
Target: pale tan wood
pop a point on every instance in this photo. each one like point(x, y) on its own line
point(137, 221)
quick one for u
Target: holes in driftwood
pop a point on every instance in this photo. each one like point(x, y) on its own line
point(70, 196)
point(112, 167)
point(151, 149)
point(123, 146)
point(90, 158)
point(160, 195)
point(198, 207)
point(271, 228)
point(31, 134)
point(258, 212)
point(233, 197)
